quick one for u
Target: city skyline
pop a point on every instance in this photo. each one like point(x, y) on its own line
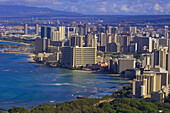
point(100, 7)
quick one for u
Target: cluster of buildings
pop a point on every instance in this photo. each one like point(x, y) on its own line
point(21, 32)
point(112, 48)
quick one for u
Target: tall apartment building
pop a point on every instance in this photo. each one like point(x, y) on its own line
point(114, 30)
point(124, 41)
point(26, 29)
point(101, 29)
point(70, 31)
point(91, 40)
point(126, 63)
point(53, 33)
point(133, 30)
point(147, 59)
point(133, 48)
point(78, 56)
point(113, 47)
point(103, 39)
point(46, 32)
point(76, 40)
point(42, 44)
point(160, 57)
point(163, 42)
point(143, 43)
point(80, 29)
point(61, 30)
point(55, 36)
point(36, 29)
point(85, 29)
point(149, 82)
point(168, 65)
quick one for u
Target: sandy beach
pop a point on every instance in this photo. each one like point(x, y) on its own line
point(31, 55)
point(97, 72)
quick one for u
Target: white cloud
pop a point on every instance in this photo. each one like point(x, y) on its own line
point(114, 5)
point(57, 3)
point(168, 8)
point(73, 8)
point(102, 9)
point(101, 4)
point(124, 8)
point(158, 8)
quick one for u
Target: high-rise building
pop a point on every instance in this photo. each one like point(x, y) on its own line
point(101, 29)
point(53, 33)
point(168, 65)
point(38, 45)
point(103, 39)
point(78, 56)
point(126, 63)
point(160, 57)
point(42, 44)
point(55, 36)
point(46, 44)
point(43, 31)
point(76, 40)
point(126, 29)
point(70, 31)
point(26, 29)
point(151, 81)
point(61, 30)
point(133, 30)
point(147, 59)
point(155, 44)
point(133, 48)
point(80, 29)
point(114, 30)
point(85, 29)
point(113, 47)
point(124, 41)
point(92, 28)
point(91, 40)
point(163, 42)
point(143, 43)
point(37, 29)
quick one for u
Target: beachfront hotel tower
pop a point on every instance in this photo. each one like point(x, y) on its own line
point(78, 56)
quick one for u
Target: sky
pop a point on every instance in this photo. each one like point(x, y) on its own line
point(98, 7)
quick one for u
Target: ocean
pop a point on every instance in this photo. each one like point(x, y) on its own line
point(23, 82)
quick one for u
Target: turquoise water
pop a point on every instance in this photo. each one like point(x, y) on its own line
point(22, 82)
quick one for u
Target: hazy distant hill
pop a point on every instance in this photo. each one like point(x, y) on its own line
point(20, 12)
point(27, 11)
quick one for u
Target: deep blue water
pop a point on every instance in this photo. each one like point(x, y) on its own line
point(24, 83)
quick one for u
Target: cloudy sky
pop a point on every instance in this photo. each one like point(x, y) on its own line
point(108, 7)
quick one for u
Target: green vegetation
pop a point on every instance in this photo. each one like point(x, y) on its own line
point(6, 45)
point(120, 103)
point(15, 39)
point(126, 92)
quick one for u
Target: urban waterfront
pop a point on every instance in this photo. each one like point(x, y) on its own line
point(23, 82)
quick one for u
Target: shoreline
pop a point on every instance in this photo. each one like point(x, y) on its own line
point(31, 59)
point(106, 92)
point(31, 55)
point(15, 42)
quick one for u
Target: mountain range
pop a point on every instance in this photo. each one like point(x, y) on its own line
point(27, 11)
point(20, 12)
